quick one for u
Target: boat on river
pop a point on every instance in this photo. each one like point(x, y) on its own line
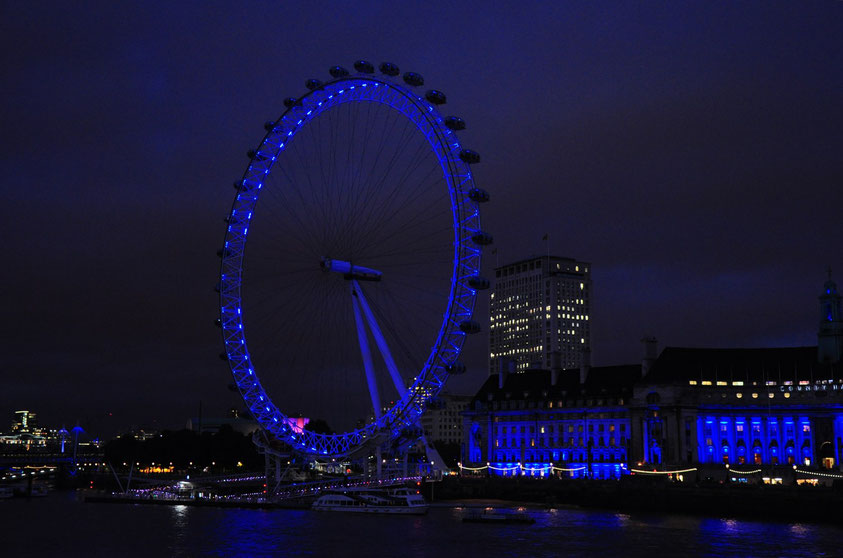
point(499, 518)
point(399, 501)
point(35, 489)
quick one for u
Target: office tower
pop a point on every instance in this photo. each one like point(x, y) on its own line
point(540, 306)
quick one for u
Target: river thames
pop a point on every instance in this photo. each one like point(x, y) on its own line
point(62, 525)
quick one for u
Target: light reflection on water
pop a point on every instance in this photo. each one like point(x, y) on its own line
point(136, 530)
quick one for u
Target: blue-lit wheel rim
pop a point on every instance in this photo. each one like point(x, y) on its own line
point(434, 371)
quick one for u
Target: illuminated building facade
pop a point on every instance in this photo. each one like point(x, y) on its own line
point(442, 420)
point(540, 306)
point(543, 422)
point(740, 406)
point(24, 422)
point(778, 406)
point(27, 435)
point(774, 411)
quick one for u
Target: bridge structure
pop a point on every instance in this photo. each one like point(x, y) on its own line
point(58, 467)
point(14, 466)
point(29, 459)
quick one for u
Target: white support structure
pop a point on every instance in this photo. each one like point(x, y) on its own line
point(436, 461)
point(274, 461)
point(353, 273)
point(381, 341)
point(364, 350)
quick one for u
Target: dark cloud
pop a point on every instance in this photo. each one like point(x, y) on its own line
point(690, 152)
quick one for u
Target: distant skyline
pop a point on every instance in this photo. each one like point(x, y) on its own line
point(690, 152)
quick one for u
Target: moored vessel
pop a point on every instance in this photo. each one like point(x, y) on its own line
point(488, 516)
point(402, 501)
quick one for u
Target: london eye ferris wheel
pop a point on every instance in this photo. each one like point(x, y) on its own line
point(351, 261)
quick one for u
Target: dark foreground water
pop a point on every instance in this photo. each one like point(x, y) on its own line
point(59, 525)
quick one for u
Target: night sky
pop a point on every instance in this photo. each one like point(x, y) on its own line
point(690, 150)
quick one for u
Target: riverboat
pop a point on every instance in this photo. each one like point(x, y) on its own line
point(400, 501)
point(37, 490)
point(499, 518)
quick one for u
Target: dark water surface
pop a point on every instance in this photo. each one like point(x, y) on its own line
point(60, 525)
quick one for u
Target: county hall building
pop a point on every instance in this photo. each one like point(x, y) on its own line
point(752, 410)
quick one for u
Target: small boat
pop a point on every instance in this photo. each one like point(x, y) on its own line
point(36, 489)
point(401, 501)
point(500, 518)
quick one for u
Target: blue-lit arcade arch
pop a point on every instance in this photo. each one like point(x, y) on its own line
point(457, 304)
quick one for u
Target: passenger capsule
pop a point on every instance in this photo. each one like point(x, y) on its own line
point(389, 69)
point(478, 282)
point(414, 79)
point(223, 356)
point(338, 72)
point(364, 67)
point(482, 238)
point(469, 326)
point(290, 101)
point(313, 84)
point(232, 387)
point(456, 368)
point(256, 155)
point(455, 123)
point(218, 322)
point(269, 125)
point(435, 97)
point(469, 156)
point(478, 195)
